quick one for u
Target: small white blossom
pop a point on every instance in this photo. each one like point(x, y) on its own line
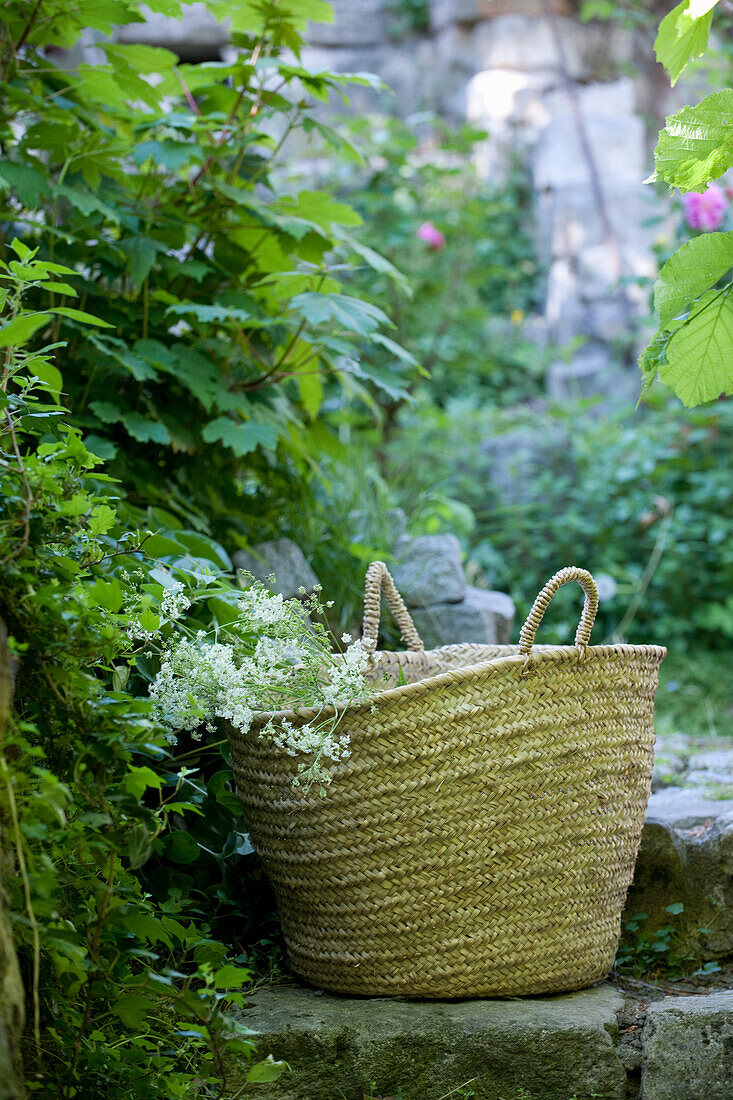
point(273, 658)
point(174, 603)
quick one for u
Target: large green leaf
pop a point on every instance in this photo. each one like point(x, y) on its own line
point(683, 35)
point(353, 314)
point(26, 182)
point(693, 269)
point(241, 437)
point(18, 331)
point(699, 364)
point(696, 145)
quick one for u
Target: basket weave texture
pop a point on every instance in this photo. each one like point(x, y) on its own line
point(480, 839)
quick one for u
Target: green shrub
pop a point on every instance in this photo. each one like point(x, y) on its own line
point(155, 181)
point(644, 497)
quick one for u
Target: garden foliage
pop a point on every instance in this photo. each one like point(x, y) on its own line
point(222, 291)
point(172, 319)
point(693, 349)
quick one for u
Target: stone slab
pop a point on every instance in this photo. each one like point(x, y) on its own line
point(515, 41)
point(339, 1046)
point(591, 372)
point(284, 559)
point(445, 12)
point(686, 856)
point(355, 23)
point(482, 617)
point(618, 148)
point(197, 36)
point(687, 1047)
point(429, 570)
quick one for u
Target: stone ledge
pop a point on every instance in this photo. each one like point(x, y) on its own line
point(563, 1046)
point(687, 1047)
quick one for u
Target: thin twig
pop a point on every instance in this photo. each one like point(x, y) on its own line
point(23, 869)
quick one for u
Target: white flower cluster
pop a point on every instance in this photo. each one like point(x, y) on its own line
point(273, 659)
point(174, 603)
point(347, 678)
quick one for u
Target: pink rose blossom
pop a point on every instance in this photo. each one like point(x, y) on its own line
point(432, 236)
point(704, 210)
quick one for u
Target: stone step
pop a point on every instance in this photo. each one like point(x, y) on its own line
point(554, 1048)
point(590, 1045)
point(686, 856)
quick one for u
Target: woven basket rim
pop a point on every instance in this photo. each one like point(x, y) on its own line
point(541, 654)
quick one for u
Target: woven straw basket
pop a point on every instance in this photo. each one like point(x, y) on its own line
point(480, 839)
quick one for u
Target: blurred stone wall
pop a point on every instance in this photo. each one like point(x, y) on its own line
point(576, 104)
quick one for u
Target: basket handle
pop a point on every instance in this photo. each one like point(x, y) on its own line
point(378, 580)
point(587, 618)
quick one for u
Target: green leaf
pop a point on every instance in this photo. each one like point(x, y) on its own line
point(134, 1010)
point(141, 253)
point(49, 375)
point(20, 330)
point(139, 846)
point(21, 249)
point(145, 430)
point(241, 437)
point(80, 315)
point(693, 269)
point(169, 154)
point(60, 288)
point(699, 363)
point(319, 208)
point(696, 144)
point(353, 314)
point(209, 313)
point(231, 977)
point(201, 546)
point(377, 262)
point(138, 780)
point(101, 520)
point(182, 847)
point(654, 357)
point(683, 35)
point(85, 201)
point(266, 1070)
point(144, 59)
point(149, 620)
point(676, 908)
point(25, 182)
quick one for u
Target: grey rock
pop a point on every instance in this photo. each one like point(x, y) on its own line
point(569, 224)
point(688, 1049)
point(618, 148)
point(515, 41)
point(609, 98)
point(686, 856)
point(706, 777)
point(283, 558)
point(429, 570)
point(667, 771)
point(677, 808)
point(197, 36)
point(518, 455)
point(407, 88)
point(355, 23)
point(591, 373)
point(716, 760)
point(445, 12)
point(482, 617)
point(674, 742)
point(338, 1046)
point(454, 66)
